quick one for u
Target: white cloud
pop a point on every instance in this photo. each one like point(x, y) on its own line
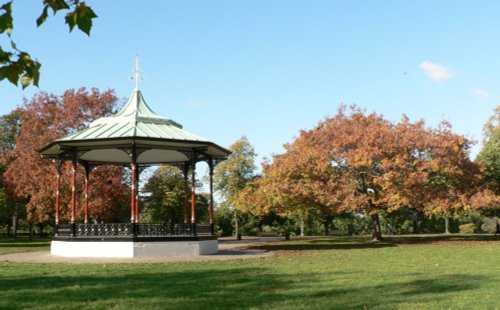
point(194, 104)
point(438, 73)
point(482, 94)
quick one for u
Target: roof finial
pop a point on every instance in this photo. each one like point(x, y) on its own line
point(137, 73)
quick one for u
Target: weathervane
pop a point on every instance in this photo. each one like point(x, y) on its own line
point(137, 73)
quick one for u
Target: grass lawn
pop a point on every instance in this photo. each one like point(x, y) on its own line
point(22, 244)
point(320, 273)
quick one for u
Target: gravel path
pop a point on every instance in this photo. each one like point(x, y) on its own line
point(228, 249)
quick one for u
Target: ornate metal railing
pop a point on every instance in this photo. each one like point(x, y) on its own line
point(204, 230)
point(63, 230)
point(132, 230)
point(115, 229)
point(153, 230)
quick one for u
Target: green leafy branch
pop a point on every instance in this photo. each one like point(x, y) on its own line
point(18, 66)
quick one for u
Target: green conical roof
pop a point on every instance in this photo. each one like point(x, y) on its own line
point(135, 126)
point(136, 119)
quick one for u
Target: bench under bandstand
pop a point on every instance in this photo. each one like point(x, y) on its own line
point(135, 137)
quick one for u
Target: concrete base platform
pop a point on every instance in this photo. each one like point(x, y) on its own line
point(129, 249)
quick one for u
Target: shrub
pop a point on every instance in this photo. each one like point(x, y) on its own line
point(469, 228)
point(489, 224)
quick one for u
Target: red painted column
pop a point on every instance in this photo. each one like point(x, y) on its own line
point(86, 206)
point(137, 194)
point(186, 194)
point(73, 193)
point(193, 196)
point(132, 194)
point(58, 192)
point(211, 173)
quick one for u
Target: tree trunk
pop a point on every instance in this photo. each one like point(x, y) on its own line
point(14, 222)
point(302, 225)
point(326, 223)
point(377, 232)
point(415, 223)
point(236, 226)
point(446, 225)
point(40, 229)
point(326, 226)
point(30, 227)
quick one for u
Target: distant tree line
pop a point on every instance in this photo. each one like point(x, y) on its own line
point(354, 173)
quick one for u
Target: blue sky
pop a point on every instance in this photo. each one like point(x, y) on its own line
point(267, 69)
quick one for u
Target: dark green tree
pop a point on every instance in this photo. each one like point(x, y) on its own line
point(10, 209)
point(9, 127)
point(490, 153)
point(164, 196)
point(232, 175)
point(487, 200)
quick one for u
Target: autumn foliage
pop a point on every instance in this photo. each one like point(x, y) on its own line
point(46, 118)
point(362, 162)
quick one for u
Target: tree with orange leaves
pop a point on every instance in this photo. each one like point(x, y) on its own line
point(358, 162)
point(46, 118)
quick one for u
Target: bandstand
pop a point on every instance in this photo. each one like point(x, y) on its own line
point(135, 137)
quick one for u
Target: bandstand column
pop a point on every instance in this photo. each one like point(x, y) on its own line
point(186, 193)
point(136, 205)
point(133, 189)
point(73, 189)
point(86, 166)
point(132, 193)
point(58, 189)
point(193, 196)
point(211, 174)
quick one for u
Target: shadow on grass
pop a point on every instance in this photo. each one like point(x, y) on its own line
point(226, 288)
point(416, 239)
point(24, 245)
point(23, 240)
point(349, 242)
point(396, 295)
point(206, 289)
point(338, 243)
